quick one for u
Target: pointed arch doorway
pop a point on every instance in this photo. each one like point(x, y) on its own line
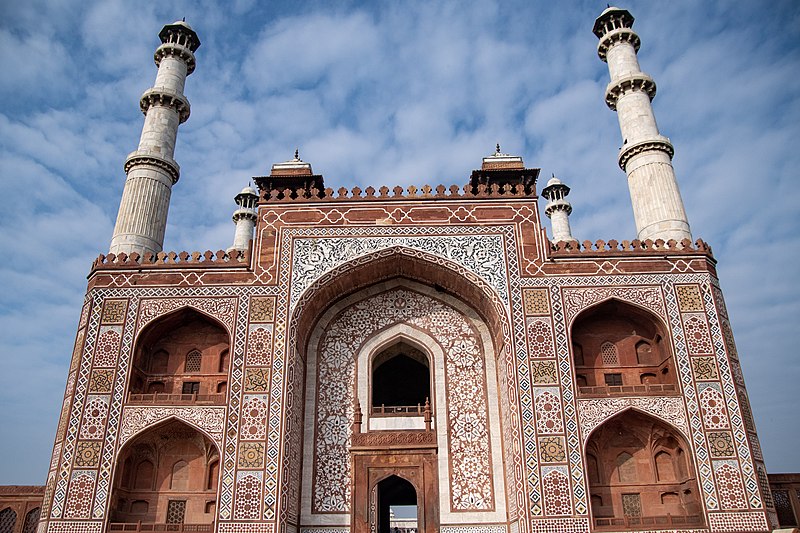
point(391, 478)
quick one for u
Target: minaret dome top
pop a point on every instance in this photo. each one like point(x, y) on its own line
point(179, 28)
point(612, 18)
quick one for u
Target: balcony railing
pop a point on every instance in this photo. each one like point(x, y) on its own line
point(648, 522)
point(163, 398)
point(653, 388)
point(397, 410)
point(142, 526)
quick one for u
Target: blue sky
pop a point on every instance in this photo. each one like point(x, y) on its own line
point(390, 93)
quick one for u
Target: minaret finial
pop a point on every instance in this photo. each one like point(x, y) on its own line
point(297, 154)
point(183, 19)
point(497, 148)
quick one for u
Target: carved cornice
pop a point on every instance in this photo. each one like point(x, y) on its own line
point(162, 96)
point(209, 259)
point(152, 159)
point(175, 50)
point(661, 144)
point(620, 35)
point(636, 82)
point(393, 439)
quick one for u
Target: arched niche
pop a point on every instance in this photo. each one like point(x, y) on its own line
point(620, 348)
point(180, 358)
point(400, 380)
point(370, 348)
point(640, 474)
point(169, 462)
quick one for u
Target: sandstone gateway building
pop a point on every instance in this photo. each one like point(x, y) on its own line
point(357, 350)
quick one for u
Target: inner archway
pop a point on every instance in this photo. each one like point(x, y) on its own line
point(619, 348)
point(401, 380)
point(164, 477)
point(181, 358)
point(396, 506)
point(640, 476)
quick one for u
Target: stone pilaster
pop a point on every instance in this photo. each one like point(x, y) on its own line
point(646, 155)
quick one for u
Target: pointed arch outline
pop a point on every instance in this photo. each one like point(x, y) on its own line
point(136, 421)
point(394, 262)
point(145, 322)
point(683, 433)
point(664, 325)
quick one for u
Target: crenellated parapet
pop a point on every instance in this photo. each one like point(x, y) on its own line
point(207, 259)
point(634, 247)
point(382, 194)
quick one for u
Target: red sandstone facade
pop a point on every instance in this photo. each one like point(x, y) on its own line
point(422, 346)
point(589, 387)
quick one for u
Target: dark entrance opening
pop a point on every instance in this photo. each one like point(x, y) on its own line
point(400, 377)
point(397, 506)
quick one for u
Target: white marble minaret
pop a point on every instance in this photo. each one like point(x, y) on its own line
point(245, 218)
point(646, 155)
point(558, 209)
point(151, 169)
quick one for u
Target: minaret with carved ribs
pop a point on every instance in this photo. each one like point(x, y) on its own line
point(646, 155)
point(151, 169)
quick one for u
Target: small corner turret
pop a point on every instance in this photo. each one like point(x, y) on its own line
point(558, 209)
point(245, 218)
point(504, 170)
point(294, 175)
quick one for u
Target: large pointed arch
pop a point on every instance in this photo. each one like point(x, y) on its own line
point(643, 474)
point(398, 262)
point(167, 462)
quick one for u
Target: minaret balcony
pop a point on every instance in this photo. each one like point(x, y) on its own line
point(649, 389)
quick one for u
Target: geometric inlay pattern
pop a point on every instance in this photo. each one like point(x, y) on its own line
point(259, 345)
point(79, 497)
point(93, 424)
point(548, 410)
point(107, 348)
point(536, 302)
point(102, 380)
point(254, 417)
point(540, 338)
point(262, 309)
point(248, 495)
point(712, 405)
point(87, 454)
point(720, 444)
point(251, 455)
point(551, 449)
point(557, 496)
point(698, 339)
point(114, 312)
point(729, 485)
point(469, 446)
point(689, 298)
point(704, 368)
